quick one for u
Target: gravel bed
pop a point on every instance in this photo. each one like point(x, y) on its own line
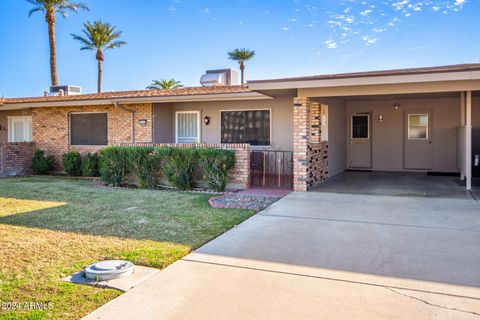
point(235, 201)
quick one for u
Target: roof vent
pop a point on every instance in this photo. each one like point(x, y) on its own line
point(65, 90)
point(222, 77)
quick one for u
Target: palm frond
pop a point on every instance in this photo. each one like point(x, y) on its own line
point(163, 84)
point(241, 55)
point(99, 36)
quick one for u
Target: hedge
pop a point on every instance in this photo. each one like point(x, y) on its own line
point(182, 167)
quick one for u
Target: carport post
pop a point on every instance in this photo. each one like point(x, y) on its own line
point(468, 140)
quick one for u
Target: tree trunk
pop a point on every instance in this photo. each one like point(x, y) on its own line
point(50, 17)
point(100, 71)
point(242, 71)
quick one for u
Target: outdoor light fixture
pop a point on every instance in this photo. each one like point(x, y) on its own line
point(396, 106)
point(142, 122)
point(380, 117)
point(206, 120)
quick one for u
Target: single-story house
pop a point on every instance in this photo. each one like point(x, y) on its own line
point(420, 119)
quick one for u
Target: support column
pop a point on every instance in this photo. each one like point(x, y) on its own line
point(468, 139)
point(301, 138)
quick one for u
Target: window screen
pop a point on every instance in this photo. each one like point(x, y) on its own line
point(251, 127)
point(360, 127)
point(88, 129)
point(187, 127)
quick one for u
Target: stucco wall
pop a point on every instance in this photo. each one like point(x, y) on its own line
point(4, 121)
point(337, 135)
point(388, 136)
point(282, 119)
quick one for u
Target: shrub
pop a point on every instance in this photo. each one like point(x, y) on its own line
point(72, 162)
point(90, 165)
point(113, 165)
point(146, 164)
point(40, 163)
point(180, 166)
point(216, 164)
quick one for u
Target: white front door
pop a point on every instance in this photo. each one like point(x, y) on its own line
point(360, 142)
point(19, 129)
point(418, 141)
point(187, 127)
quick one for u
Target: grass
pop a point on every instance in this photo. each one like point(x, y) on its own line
point(52, 227)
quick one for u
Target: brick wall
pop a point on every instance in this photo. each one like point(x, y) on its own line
point(16, 158)
point(50, 127)
point(239, 177)
point(310, 155)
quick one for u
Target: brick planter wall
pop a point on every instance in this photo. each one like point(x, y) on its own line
point(239, 177)
point(310, 154)
point(16, 158)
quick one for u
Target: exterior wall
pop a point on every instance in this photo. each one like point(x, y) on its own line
point(239, 177)
point(16, 158)
point(281, 118)
point(336, 135)
point(50, 127)
point(163, 123)
point(4, 121)
point(388, 136)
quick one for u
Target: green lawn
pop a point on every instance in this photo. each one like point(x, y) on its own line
point(51, 227)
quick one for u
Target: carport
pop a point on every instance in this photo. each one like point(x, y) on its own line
point(404, 121)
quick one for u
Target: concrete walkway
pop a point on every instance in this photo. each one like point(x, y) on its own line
point(326, 256)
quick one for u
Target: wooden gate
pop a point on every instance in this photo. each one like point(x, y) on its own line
point(271, 169)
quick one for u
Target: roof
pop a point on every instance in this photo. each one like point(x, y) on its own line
point(188, 91)
point(395, 72)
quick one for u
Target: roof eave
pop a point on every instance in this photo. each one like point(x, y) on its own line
point(159, 99)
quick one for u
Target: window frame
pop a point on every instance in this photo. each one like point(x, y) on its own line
point(427, 137)
point(10, 119)
point(368, 125)
point(199, 125)
point(247, 109)
point(70, 130)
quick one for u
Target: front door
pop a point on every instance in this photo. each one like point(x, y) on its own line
point(187, 127)
point(418, 141)
point(360, 142)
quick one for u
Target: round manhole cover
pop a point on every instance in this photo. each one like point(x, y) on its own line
point(108, 270)
point(112, 265)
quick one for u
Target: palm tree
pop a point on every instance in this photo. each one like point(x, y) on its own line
point(164, 84)
point(51, 8)
point(241, 56)
point(99, 36)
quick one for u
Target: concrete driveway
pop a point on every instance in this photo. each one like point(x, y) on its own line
point(326, 256)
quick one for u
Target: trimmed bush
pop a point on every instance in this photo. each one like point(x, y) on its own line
point(113, 165)
point(40, 163)
point(72, 162)
point(146, 164)
point(180, 167)
point(216, 164)
point(90, 165)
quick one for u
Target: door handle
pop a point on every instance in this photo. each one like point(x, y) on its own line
point(429, 142)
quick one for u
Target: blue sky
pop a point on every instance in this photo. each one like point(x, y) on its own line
point(182, 38)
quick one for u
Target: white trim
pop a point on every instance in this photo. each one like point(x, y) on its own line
point(27, 129)
point(468, 139)
point(368, 125)
point(70, 130)
point(408, 126)
point(111, 101)
point(248, 109)
point(199, 123)
point(365, 80)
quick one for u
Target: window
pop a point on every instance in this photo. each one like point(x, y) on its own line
point(251, 127)
point(19, 129)
point(88, 129)
point(417, 126)
point(360, 124)
point(188, 127)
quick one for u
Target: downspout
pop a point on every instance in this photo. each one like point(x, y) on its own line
point(132, 113)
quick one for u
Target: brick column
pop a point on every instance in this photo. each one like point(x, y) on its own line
point(301, 138)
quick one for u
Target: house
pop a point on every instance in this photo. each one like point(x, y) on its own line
point(420, 119)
